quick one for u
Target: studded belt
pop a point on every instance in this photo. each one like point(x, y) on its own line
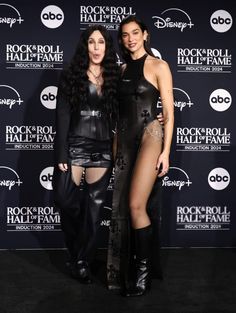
point(91, 113)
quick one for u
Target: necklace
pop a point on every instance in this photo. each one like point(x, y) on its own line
point(96, 77)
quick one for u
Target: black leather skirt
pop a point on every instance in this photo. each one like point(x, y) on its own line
point(88, 152)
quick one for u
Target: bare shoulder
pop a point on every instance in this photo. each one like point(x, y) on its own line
point(157, 65)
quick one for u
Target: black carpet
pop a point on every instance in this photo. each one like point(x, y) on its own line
point(195, 281)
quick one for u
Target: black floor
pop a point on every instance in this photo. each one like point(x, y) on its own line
point(195, 280)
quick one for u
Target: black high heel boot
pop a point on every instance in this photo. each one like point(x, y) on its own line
point(143, 262)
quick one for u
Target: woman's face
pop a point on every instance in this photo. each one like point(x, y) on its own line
point(96, 47)
point(133, 37)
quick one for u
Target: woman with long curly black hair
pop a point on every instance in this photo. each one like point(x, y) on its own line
point(85, 111)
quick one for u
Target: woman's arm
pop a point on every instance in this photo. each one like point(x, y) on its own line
point(62, 129)
point(165, 85)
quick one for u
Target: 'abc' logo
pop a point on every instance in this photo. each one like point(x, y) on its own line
point(220, 100)
point(48, 97)
point(221, 21)
point(218, 178)
point(52, 16)
point(46, 177)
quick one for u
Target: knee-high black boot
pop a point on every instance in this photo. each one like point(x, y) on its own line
point(94, 201)
point(143, 262)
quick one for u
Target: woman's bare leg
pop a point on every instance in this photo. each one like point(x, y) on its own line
point(143, 179)
point(144, 175)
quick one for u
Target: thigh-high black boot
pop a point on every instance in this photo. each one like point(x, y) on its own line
point(142, 283)
point(95, 197)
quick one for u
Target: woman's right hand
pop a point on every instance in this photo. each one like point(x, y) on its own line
point(161, 119)
point(63, 167)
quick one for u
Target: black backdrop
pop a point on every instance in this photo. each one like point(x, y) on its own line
point(196, 39)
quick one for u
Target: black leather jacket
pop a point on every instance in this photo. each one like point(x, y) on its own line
point(90, 121)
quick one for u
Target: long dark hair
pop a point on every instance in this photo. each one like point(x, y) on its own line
point(124, 52)
point(73, 82)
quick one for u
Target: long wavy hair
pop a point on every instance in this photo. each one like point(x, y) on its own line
point(125, 52)
point(73, 81)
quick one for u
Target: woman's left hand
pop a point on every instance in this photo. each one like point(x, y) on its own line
point(163, 164)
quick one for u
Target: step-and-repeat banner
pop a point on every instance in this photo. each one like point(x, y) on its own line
point(197, 40)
